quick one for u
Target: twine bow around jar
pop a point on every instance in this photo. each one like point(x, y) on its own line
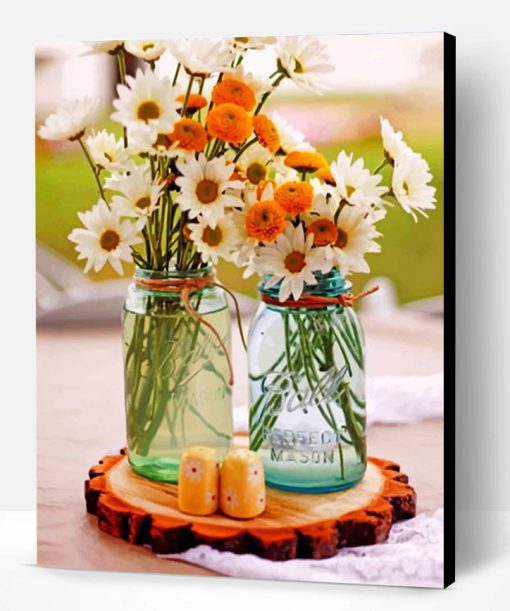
point(184, 288)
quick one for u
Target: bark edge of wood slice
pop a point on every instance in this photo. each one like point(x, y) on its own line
point(144, 512)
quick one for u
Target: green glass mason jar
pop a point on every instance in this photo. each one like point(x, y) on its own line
point(176, 374)
point(307, 390)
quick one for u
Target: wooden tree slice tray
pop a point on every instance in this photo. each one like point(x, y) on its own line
point(293, 525)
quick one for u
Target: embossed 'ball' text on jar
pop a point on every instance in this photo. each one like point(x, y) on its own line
point(307, 388)
point(176, 374)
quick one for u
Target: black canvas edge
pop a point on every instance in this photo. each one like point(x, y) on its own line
point(449, 309)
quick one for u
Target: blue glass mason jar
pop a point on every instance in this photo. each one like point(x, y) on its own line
point(307, 390)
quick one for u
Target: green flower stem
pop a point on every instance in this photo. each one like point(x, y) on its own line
point(245, 146)
point(310, 345)
point(357, 436)
point(93, 168)
point(384, 162)
point(186, 97)
point(288, 353)
point(311, 374)
point(160, 406)
point(176, 74)
point(121, 61)
point(266, 95)
point(153, 245)
point(260, 376)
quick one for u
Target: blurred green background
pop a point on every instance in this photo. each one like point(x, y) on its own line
point(412, 253)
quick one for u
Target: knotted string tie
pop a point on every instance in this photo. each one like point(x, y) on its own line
point(185, 287)
point(309, 301)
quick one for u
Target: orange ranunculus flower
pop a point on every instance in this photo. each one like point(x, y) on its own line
point(229, 122)
point(195, 101)
point(189, 134)
point(325, 175)
point(324, 231)
point(234, 91)
point(266, 132)
point(295, 197)
point(305, 161)
point(265, 221)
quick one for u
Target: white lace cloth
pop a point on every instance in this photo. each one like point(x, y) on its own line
point(390, 400)
point(413, 553)
point(412, 556)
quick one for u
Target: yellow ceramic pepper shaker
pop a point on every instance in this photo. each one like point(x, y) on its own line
point(198, 481)
point(242, 488)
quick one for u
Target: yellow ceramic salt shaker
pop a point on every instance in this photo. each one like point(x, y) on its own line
point(197, 491)
point(242, 488)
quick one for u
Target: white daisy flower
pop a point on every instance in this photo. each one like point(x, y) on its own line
point(194, 470)
point(139, 194)
point(393, 142)
point(214, 242)
point(104, 46)
point(319, 187)
point(69, 122)
point(145, 138)
point(355, 184)
point(410, 186)
point(304, 60)
point(244, 43)
point(354, 236)
point(141, 138)
point(147, 100)
point(105, 239)
point(244, 255)
point(148, 50)
point(290, 139)
point(107, 152)
point(201, 56)
point(255, 163)
point(206, 187)
point(292, 259)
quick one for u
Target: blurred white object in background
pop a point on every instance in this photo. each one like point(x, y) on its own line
point(64, 295)
point(65, 72)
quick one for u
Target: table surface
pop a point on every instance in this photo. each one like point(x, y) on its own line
point(81, 417)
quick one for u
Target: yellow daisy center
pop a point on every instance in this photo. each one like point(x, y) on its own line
point(295, 262)
point(109, 240)
point(256, 172)
point(243, 39)
point(148, 110)
point(212, 237)
point(342, 239)
point(207, 191)
point(143, 202)
point(148, 45)
point(298, 66)
point(349, 189)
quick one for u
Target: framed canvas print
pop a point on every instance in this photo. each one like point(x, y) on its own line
point(242, 291)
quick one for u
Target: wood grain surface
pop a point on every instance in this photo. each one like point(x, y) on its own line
point(293, 525)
